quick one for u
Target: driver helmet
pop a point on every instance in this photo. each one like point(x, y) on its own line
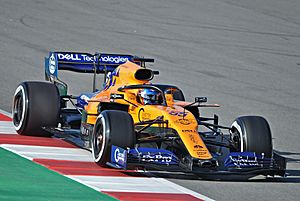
point(149, 97)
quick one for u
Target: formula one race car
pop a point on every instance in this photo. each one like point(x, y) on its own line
point(133, 123)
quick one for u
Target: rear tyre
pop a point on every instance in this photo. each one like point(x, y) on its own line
point(35, 105)
point(252, 134)
point(112, 127)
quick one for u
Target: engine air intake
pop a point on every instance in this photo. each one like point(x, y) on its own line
point(144, 74)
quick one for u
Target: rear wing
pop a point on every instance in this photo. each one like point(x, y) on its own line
point(87, 63)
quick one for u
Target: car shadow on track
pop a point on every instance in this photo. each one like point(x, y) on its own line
point(293, 157)
point(293, 176)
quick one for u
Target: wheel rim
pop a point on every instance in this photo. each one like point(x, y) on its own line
point(98, 140)
point(236, 141)
point(236, 137)
point(19, 108)
point(98, 143)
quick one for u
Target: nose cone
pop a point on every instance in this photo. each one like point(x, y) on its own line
point(210, 163)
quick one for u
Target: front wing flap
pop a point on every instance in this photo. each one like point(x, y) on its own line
point(237, 163)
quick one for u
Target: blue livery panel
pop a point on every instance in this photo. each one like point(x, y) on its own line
point(82, 99)
point(152, 155)
point(246, 160)
point(118, 157)
point(51, 65)
point(84, 62)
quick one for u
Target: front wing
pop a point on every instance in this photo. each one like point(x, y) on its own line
point(159, 159)
point(246, 164)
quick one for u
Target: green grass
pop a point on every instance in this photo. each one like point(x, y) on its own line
point(21, 179)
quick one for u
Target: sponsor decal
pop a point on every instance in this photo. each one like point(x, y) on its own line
point(143, 116)
point(146, 116)
point(116, 96)
point(87, 58)
point(111, 78)
point(240, 161)
point(156, 158)
point(69, 57)
point(152, 155)
point(184, 121)
point(75, 57)
point(201, 153)
point(104, 59)
point(197, 146)
point(52, 64)
point(114, 59)
point(188, 131)
point(177, 113)
point(85, 129)
point(246, 159)
point(118, 156)
point(193, 139)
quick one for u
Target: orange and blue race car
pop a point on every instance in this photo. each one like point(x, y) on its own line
point(134, 123)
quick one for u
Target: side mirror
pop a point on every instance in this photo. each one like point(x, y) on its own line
point(200, 99)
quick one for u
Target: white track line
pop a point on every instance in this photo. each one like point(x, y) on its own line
point(6, 113)
point(126, 184)
point(135, 184)
point(6, 127)
point(14, 151)
point(56, 153)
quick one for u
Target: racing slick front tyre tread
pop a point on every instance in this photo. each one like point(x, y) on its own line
point(112, 127)
point(254, 135)
point(35, 105)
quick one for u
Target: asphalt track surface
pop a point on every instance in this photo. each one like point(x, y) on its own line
point(242, 54)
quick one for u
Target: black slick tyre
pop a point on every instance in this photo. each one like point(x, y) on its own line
point(252, 134)
point(35, 105)
point(112, 127)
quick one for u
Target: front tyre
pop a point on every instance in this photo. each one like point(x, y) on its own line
point(252, 134)
point(35, 105)
point(112, 127)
